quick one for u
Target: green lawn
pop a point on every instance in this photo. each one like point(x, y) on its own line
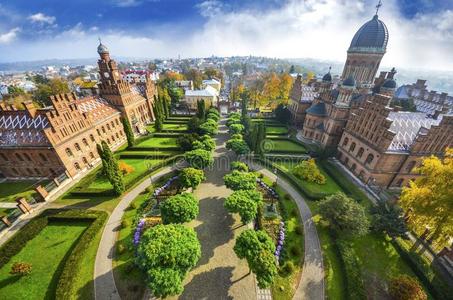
point(330, 187)
point(158, 142)
point(168, 127)
point(284, 145)
point(276, 130)
point(45, 252)
point(10, 190)
point(140, 166)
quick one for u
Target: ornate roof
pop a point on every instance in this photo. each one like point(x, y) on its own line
point(406, 126)
point(96, 107)
point(319, 109)
point(372, 37)
point(18, 128)
point(102, 48)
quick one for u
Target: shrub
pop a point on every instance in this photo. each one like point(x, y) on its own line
point(20, 268)
point(240, 166)
point(354, 282)
point(299, 230)
point(406, 288)
point(125, 223)
point(120, 248)
point(288, 268)
point(296, 251)
point(308, 171)
point(191, 177)
point(133, 205)
point(125, 168)
point(199, 158)
point(245, 203)
point(185, 141)
point(179, 209)
point(236, 128)
point(237, 180)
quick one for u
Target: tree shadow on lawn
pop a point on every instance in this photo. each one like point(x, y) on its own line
point(213, 285)
point(215, 228)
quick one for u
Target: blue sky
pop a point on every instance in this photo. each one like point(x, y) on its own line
point(40, 29)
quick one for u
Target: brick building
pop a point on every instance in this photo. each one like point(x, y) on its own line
point(45, 142)
point(353, 118)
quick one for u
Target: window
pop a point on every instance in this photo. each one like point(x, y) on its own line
point(92, 138)
point(91, 155)
point(85, 142)
point(29, 171)
point(354, 166)
point(68, 152)
point(27, 156)
point(37, 172)
point(77, 166)
point(410, 166)
point(15, 171)
point(85, 161)
point(77, 147)
point(43, 157)
point(108, 127)
point(103, 129)
point(360, 153)
point(4, 157)
point(19, 157)
point(346, 141)
point(369, 159)
point(352, 147)
point(99, 133)
point(52, 171)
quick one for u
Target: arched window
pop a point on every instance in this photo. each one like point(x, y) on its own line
point(103, 129)
point(352, 147)
point(43, 157)
point(410, 166)
point(92, 138)
point(68, 152)
point(19, 157)
point(346, 161)
point(27, 156)
point(360, 153)
point(77, 147)
point(354, 166)
point(99, 132)
point(369, 159)
point(77, 166)
point(85, 161)
point(91, 155)
point(85, 142)
point(361, 174)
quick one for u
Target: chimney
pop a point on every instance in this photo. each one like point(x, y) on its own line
point(30, 108)
point(443, 98)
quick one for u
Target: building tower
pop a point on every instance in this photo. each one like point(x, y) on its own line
point(366, 51)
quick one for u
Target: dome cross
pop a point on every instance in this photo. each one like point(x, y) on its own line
point(378, 6)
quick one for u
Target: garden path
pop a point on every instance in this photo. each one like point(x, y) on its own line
point(219, 273)
point(311, 285)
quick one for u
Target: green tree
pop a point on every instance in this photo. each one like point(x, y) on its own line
point(14, 91)
point(199, 158)
point(258, 249)
point(45, 90)
point(201, 109)
point(105, 167)
point(191, 177)
point(308, 170)
point(236, 128)
point(114, 175)
point(128, 130)
point(194, 124)
point(344, 215)
point(185, 141)
point(237, 180)
point(239, 146)
point(282, 114)
point(209, 127)
point(389, 218)
point(239, 166)
point(245, 203)
point(179, 208)
point(166, 253)
point(428, 200)
point(158, 124)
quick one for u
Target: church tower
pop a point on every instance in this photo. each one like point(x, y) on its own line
point(366, 51)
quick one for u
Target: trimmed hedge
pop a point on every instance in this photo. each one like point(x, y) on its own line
point(72, 263)
point(355, 288)
point(65, 286)
point(435, 285)
point(154, 148)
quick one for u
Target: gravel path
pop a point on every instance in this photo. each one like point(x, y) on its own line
point(219, 274)
point(311, 285)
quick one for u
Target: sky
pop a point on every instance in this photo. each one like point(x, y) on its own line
point(421, 31)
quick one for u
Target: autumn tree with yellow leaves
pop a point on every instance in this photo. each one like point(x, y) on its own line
point(428, 201)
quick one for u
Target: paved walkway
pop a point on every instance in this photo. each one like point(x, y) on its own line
point(104, 283)
point(312, 283)
point(219, 274)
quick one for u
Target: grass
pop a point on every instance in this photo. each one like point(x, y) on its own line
point(276, 130)
point(11, 190)
point(330, 187)
point(158, 142)
point(168, 127)
point(139, 165)
point(45, 252)
point(285, 145)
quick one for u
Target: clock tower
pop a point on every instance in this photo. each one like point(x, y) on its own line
point(107, 67)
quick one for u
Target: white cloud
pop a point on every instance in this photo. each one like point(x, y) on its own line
point(131, 3)
point(8, 37)
point(42, 18)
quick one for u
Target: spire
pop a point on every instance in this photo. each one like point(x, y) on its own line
point(378, 6)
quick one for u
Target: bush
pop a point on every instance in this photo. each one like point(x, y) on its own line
point(120, 248)
point(308, 170)
point(354, 283)
point(240, 166)
point(237, 180)
point(133, 205)
point(406, 288)
point(179, 209)
point(288, 268)
point(296, 251)
point(299, 230)
point(185, 141)
point(125, 223)
point(199, 158)
point(125, 168)
point(21, 269)
point(236, 128)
